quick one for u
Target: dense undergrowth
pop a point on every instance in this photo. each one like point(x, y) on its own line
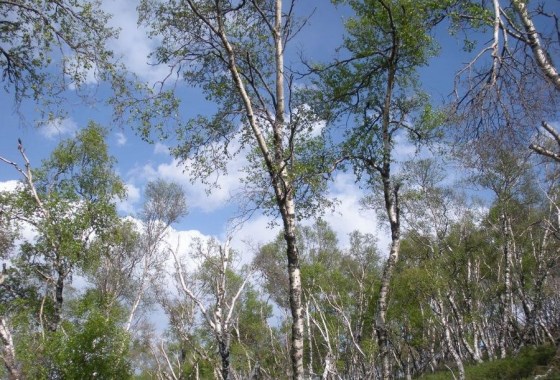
point(541, 362)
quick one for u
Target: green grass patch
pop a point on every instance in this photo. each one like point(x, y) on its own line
point(530, 361)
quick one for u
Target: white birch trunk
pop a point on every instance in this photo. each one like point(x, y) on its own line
point(8, 351)
point(449, 340)
point(507, 299)
point(541, 56)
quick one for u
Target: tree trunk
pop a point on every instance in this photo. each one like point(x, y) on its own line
point(449, 340)
point(381, 327)
point(280, 178)
point(541, 55)
point(391, 205)
point(461, 330)
point(58, 300)
point(296, 349)
point(309, 341)
point(507, 299)
point(224, 354)
point(8, 351)
point(285, 199)
point(390, 194)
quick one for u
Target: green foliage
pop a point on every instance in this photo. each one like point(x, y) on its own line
point(192, 42)
point(90, 345)
point(374, 89)
point(47, 46)
point(524, 365)
point(70, 204)
point(255, 337)
point(81, 167)
point(338, 288)
point(97, 348)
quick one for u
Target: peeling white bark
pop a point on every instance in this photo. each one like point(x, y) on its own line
point(541, 56)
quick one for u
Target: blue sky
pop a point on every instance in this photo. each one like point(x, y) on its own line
point(139, 162)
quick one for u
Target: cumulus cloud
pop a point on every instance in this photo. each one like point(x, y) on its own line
point(347, 217)
point(197, 192)
point(160, 148)
point(10, 185)
point(58, 128)
point(128, 205)
point(350, 215)
point(404, 150)
point(121, 138)
point(133, 45)
point(180, 241)
point(253, 233)
point(223, 187)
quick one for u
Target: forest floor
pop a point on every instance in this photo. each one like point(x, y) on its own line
point(542, 363)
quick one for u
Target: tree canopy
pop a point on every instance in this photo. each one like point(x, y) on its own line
point(453, 270)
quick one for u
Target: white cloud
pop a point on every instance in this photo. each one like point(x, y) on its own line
point(252, 234)
point(133, 195)
point(347, 217)
point(404, 150)
point(349, 214)
point(58, 127)
point(10, 185)
point(121, 138)
point(160, 148)
point(197, 195)
point(180, 242)
point(223, 187)
point(133, 45)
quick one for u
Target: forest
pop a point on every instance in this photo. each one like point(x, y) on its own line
point(460, 274)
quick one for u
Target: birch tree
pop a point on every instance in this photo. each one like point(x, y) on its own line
point(49, 47)
point(164, 205)
point(211, 293)
point(67, 200)
point(234, 52)
point(374, 87)
point(132, 255)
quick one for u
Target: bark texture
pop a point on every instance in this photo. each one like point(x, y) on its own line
point(8, 351)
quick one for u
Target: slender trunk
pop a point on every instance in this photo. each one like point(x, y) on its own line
point(381, 327)
point(58, 300)
point(329, 372)
point(278, 171)
point(224, 354)
point(390, 194)
point(433, 360)
point(476, 341)
point(454, 353)
point(285, 199)
point(449, 340)
point(8, 351)
point(392, 208)
point(296, 349)
point(488, 338)
point(461, 330)
point(309, 340)
point(408, 373)
point(507, 299)
point(137, 301)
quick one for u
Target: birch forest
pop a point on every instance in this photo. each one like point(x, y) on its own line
point(455, 274)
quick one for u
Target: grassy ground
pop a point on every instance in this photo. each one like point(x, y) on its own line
point(541, 363)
